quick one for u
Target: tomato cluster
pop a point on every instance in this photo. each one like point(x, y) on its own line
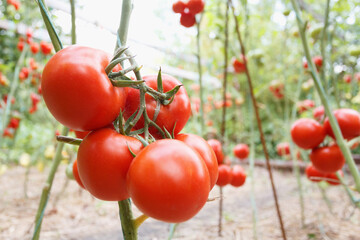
point(35, 47)
point(309, 134)
point(277, 89)
point(169, 179)
point(188, 10)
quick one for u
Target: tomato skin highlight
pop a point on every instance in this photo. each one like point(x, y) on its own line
point(76, 174)
point(103, 163)
point(327, 159)
point(238, 176)
point(307, 133)
point(241, 151)
point(349, 123)
point(77, 90)
point(217, 147)
point(225, 175)
point(178, 112)
point(168, 181)
point(206, 152)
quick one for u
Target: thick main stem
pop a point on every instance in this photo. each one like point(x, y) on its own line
point(124, 23)
point(323, 44)
point(259, 125)
point(223, 119)
point(333, 122)
point(127, 224)
point(73, 25)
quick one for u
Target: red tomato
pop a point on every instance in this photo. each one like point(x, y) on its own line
point(347, 78)
point(313, 174)
point(34, 47)
point(187, 19)
point(318, 113)
point(195, 6)
point(225, 175)
point(25, 71)
point(14, 123)
point(206, 152)
point(35, 99)
point(283, 149)
point(302, 106)
point(76, 174)
point(20, 46)
point(318, 61)
point(29, 33)
point(168, 181)
point(103, 162)
point(174, 115)
point(217, 147)
point(349, 123)
point(33, 109)
point(8, 133)
point(77, 90)
point(357, 77)
point(238, 176)
point(334, 180)
point(327, 159)
point(81, 135)
point(307, 133)
point(305, 65)
point(179, 7)
point(241, 151)
point(33, 64)
point(47, 47)
point(239, 65)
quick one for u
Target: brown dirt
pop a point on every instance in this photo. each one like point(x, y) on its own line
point(77, 215)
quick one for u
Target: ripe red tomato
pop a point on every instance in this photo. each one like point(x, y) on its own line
point(187, 19)
point(168, 181)
point(225, 175)
point(14, 123)
point(195, 6)
point(174, 115)
point(318, 61)
point(77, 90)
point(238, 176)
point(81, 135)
point(34, 47)
point(313, 174)
point(179, 7)
point(307, 133)
point(305, 65)
point(20, 46)
point(347, 78)
point(216, 146)
point(327, 159)
point(103, 162)
point(76, 174)
point(206, 152)
point(33, 64)
point(349, 123)
point(318, 113)
point(241, 151)
point(302, 106)
point(283, 149)
point(46, 48)
point(239, 65)
point(35, 99)
point(29, 33)
point(334, 180)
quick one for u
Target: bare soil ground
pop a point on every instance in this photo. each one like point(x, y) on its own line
point(76, 215)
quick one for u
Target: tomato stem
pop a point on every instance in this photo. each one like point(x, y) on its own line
point(73, 22)
point(255, 106)
point(69, 140)
point(139, 220)
point(128, 225)
point(47, 187)
point(324, 99)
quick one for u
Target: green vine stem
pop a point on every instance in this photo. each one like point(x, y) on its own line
point(323, 44)
point(325, 198)
point(123, 29)
point(223, 118)
point(47, 188)
point(242, 47)
point(14, 85)
point(127, 223)
point(73, 22)
point(324, 99)
point(198, 56)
